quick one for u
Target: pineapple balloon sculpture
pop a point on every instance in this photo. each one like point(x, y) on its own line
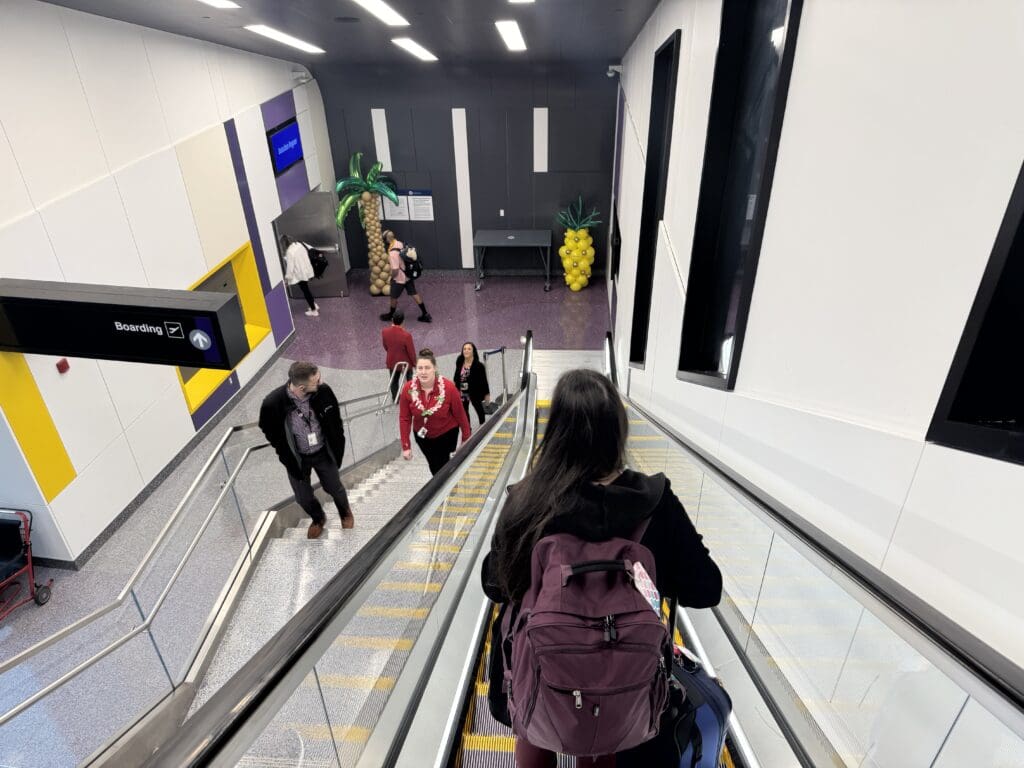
point(364, 193)
point(578, 250)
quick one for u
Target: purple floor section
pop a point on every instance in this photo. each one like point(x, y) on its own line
point(347, 332)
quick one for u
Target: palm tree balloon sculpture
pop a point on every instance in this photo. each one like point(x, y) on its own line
point(365, 192)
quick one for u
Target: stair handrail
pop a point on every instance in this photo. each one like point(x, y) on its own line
point(984, 663)
point(259, 684)
point(126, 590)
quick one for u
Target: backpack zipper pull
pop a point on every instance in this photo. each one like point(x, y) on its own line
point(610, 633)
point(578, 695)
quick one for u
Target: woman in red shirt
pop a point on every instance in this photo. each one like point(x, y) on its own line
point(431, 407)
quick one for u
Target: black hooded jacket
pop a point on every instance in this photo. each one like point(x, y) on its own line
point(684, 567)
point(478, 385)
point(274, 413)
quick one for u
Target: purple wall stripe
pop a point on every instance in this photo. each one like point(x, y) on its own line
point(278, 109)
point(216, 401)
point(292, 185)
point(280, 314)
point(247, 208)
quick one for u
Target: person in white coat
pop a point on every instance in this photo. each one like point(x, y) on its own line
point(298, 271)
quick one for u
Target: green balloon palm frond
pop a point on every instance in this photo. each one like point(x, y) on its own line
point(574, 218)
point(351, 188)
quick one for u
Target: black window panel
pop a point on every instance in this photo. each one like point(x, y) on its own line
point(981, 409)
point(659, 139)
point(748, 99)
point(616, 244)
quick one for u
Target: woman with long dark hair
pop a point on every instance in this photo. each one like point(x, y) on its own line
point(430, 408)
point(579, 485)
point(471, 379)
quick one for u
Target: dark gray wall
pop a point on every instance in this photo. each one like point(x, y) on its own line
point(499, 106)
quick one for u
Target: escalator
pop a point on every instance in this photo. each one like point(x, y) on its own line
point(827, 663)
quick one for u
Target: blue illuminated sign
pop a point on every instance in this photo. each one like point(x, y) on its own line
point(285, 146)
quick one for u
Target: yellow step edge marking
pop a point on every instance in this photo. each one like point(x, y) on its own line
point(432, 534)
point(448, 549)
point(482, 688)
point(408, 566)
point(374, 643)
point(543, 403)
point(363, 682)
point(352, 734)
point(412, 586)
point(387, 612)
point(466, 497)
point(447, 530)
point(479, 742)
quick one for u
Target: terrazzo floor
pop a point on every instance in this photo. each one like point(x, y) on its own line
point(347, 332)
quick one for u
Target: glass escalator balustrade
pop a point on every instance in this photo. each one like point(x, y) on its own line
point(330, 718)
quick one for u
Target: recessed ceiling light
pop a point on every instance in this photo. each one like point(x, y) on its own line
point(520, 2)
point(512, 35)
point(384, 12)
point(414, 48)
point(282, 37)
point(222, 4)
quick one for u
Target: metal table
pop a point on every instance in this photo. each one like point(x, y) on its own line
point(512, 238)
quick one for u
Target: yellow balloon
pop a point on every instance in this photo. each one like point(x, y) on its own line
point(563, 251)
point(588, 241)
point(569, 233)
point(589, 253)
point(575, 286)
point(574, 274)
point(583, 282)
point(582, 232)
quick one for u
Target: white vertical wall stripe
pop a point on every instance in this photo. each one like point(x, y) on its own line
point(461, 138)
point(540, 139)
point(380, 137)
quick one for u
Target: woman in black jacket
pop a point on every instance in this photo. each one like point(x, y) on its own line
point(579, 485)
point(471, 379)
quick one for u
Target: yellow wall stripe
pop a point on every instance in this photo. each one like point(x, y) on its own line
point(33, 427)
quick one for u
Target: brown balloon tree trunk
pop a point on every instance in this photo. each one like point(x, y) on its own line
point(380, 269)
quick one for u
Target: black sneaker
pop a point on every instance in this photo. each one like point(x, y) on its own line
point(387, 316)
point(425, 318)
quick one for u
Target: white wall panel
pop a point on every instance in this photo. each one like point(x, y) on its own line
point(864, 286)
point(301, 95)
point(312, 164)
point(42, 105)
point(79, 404)
point(460, 139)
point(850, 481)
point(266, 204)
point(92, 239)
point(161, 221)
point(97, 495)
point(112, 63)
point(25, 251)
point(14, 199)
point(183, 83)
point(160, 432)
point(323, 141)
point(134, 387)
point(250, 366)
point(381, 140)
point(957, 544)
point(20, 490)
point(211, 55)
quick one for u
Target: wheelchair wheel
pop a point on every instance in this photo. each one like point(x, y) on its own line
point(42, 595)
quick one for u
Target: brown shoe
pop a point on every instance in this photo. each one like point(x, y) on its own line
point(348, 520)
point(315, 529)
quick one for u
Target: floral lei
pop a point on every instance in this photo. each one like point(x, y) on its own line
point(417, 400)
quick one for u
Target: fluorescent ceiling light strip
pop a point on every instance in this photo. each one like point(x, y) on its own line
point(282, 37)
point(414, 48)
point(520, 2)
point(383, 11)
point(222, 4)
point(511, 34)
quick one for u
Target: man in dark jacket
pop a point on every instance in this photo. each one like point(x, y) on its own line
point(301, 420)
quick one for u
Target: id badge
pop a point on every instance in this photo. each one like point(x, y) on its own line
point(645, 586)
point(464, 386)
point(421, 433)
point(311, 438)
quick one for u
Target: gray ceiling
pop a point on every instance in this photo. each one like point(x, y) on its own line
point(457, 31)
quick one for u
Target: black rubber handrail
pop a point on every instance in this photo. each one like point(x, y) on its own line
point(205, 734)
point(983, 661)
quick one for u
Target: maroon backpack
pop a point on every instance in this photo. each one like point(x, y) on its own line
point(588, 673)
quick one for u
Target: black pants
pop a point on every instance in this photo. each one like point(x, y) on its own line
point(304, 287)
point(478, 406)
point(396, 384)
point(330, 481)
point(439, 449)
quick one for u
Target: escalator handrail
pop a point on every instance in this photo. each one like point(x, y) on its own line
point(211, 728)
point(982, 661)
